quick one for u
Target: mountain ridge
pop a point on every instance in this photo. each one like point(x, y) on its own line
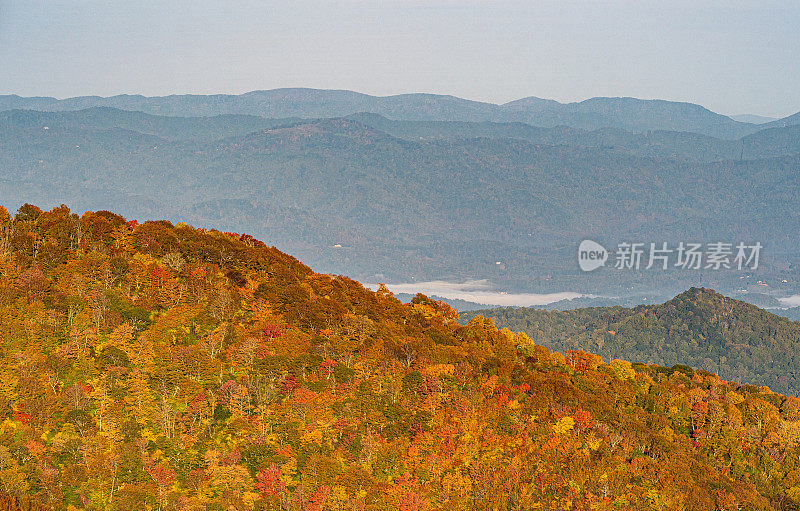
point(314, 184)
point(627, 113)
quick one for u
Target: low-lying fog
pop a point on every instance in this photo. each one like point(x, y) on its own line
point(478, 291)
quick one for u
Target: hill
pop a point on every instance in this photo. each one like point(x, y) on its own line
point(159, 366)
point(772, 142)
point(403, 208)
point(169, 128)
point(699, 327)
point(790, 120)
point(623, 113)
point(634, 115)
point(660, 144)
point(653, 144)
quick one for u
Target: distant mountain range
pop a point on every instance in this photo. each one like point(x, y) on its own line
point(752, 119)
point(388, 200)
point(699, 327)
point(685, 145)
point(629, 114)
point(768, 142)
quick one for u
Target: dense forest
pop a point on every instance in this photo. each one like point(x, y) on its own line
point(699, 327)
point(159, 366)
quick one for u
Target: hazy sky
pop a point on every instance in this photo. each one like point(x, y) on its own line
point(729, 55)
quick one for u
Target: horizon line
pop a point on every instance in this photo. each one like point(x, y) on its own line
point(382, 96)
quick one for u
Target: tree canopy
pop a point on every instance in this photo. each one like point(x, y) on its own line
point(159, 366)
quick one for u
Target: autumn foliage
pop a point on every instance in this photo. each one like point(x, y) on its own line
point(158, 366)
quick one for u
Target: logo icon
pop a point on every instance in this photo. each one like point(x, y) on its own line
point(591, 255)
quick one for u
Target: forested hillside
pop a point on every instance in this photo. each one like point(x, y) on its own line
point(700, 328)
point(158, 366)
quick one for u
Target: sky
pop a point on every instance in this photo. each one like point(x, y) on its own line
point(732, 56)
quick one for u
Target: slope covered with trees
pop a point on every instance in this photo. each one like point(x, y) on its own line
point(699, 327)
point(157, 366)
